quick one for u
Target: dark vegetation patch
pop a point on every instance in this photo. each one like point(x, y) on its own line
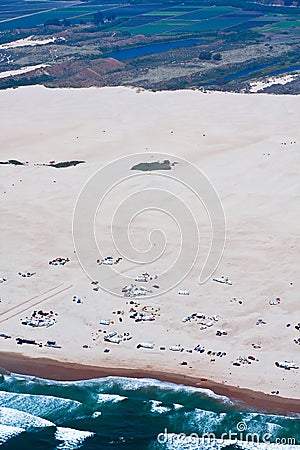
point(65, 164)
point(13, 162)
point(155, 165)
point(58, 165)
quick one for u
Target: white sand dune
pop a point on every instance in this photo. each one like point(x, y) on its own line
point(247, 145)
point(28, 42)
point(10, 73)
point(256, 86)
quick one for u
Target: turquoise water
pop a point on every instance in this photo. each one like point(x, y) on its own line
point(126, 413)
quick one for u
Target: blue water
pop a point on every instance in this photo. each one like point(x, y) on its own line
point(124, 413)
point(289, 69)
point(121, 55)
point(245, 72)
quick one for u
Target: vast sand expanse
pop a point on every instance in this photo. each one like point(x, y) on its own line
point(247, 145)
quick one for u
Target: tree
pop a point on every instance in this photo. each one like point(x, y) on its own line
point(217, 57)
point(205, 55)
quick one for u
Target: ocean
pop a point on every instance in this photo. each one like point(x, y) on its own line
point(132, 414)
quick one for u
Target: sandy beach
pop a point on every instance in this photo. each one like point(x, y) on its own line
point(247, 146)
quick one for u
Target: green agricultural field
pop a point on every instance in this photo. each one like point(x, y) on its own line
point(182, 21)
point(205, 13)
point(183, 8)
point(268, 18)
point(208, 25)
point(152, 28)
point(177, 23)
point(282, 25)
point(22, 12)
point(163, 13)
point(222, 8)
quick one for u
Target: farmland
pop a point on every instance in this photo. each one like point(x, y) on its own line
point(147, 19)
point(233, 39)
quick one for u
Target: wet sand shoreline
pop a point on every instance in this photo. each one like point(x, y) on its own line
point(66, 371)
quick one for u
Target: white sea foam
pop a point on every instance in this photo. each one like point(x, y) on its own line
point(8, 432)
point(40, 404)
point(71, 438)
point(157, 407)
point(12, 377)
point(132, 384)
point(206, 421)
point(212, 394)
point(113, 398)
point(265, 423)
point(142, 383)
point(177, 406)
point(203, 421)
point(15, 418)
point(272, 417)
point(96, 414)
point(274, 428)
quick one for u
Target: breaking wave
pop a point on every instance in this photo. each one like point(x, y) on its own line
point(127, 413)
